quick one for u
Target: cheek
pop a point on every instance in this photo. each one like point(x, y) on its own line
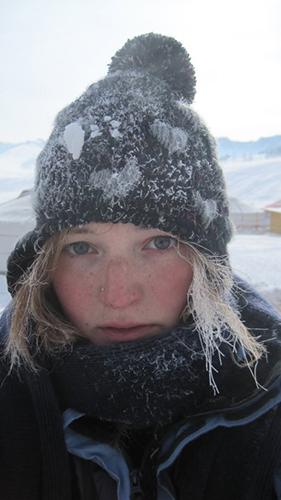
point(73, 292)
point(171, 286)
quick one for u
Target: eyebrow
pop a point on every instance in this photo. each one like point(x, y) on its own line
point(84, 230)
point(81, 230)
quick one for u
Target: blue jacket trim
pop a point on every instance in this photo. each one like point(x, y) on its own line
point(201, 424)
point(109, 458)
point(116, 466)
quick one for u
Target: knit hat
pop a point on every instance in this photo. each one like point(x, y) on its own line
point(131, 149)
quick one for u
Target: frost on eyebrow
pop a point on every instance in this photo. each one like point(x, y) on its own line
point(173, 138)
point(117, 184)
point(74, 139)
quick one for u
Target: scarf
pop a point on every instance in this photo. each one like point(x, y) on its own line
point(162, 378)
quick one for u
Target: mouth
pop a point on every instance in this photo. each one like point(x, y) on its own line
point(122, 333)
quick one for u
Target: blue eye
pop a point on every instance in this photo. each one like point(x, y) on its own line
point(79, 248)
point(162, 242)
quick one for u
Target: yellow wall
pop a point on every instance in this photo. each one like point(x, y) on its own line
point(275, 222)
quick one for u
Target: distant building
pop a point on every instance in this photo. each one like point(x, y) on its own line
point(16, 219)
point(274, 211)
point(248, 218)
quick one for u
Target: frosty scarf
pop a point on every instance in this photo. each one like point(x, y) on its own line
point(154, 380)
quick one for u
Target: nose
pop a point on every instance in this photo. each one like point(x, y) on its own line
point(121, 285)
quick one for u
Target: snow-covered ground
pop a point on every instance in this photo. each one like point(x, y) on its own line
point(256, 258)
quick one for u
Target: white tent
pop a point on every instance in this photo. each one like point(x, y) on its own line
point(16, 219)
point(248, 218)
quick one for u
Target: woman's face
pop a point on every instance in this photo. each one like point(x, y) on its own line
point(119, 282)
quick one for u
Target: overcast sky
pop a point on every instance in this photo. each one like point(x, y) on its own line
point(51, 50)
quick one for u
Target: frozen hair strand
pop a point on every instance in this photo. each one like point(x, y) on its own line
point(211, 302)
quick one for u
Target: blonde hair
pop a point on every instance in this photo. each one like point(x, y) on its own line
point(209, 301)
point(35, 300)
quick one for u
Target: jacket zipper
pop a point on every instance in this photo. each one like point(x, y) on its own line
point(135, 479)
point(135, 474)
point(136, 491)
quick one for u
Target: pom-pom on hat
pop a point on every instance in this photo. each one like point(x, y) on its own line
point(160, 56)
point(131, 149)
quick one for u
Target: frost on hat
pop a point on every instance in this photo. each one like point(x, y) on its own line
point(131, 149)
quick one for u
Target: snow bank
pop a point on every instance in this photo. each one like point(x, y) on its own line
point(256, 258)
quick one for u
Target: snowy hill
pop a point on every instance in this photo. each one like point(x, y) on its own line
point(5, 146)
point(268, 146)
point(17, 168)
point(257, 182)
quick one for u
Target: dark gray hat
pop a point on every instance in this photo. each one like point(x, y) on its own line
point(131, 149)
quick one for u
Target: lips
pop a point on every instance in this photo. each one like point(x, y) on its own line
point(122, 333)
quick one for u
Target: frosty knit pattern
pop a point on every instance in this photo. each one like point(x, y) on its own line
point(131, 149)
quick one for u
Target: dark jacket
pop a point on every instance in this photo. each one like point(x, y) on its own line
point(222, 453)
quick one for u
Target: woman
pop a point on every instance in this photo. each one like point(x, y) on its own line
point(134, 365)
